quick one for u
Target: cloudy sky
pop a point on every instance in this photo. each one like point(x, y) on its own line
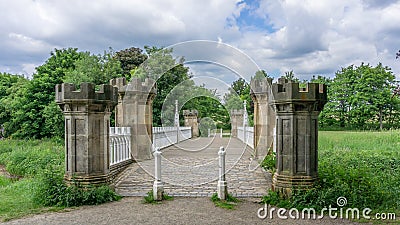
point(309, 37)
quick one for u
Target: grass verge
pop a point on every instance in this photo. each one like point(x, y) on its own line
point(40, 165)
point(363, 167)
point(149, 199)
point(229, 203)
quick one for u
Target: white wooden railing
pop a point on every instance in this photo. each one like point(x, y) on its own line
point(246, 135)
point(120, 144)
point(167, 136)
point(211, 132)
point(120, 140)
point(217, 133)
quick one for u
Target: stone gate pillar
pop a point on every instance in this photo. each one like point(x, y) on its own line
point(191, 121)
point(120, 83)
point(87, 121)
point(297, 111)
point(264, 116)
point(236, 121)
point(138, 115)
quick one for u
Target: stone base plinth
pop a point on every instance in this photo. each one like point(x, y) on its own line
point(86, 180)
point(284, 184)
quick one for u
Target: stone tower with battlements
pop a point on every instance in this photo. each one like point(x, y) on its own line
point(297, 111)
point(264, 116)
point(87, 121)
point(191, 120)
point(236, 121)
point(135, 110)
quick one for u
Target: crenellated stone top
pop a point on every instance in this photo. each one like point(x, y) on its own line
point(191, 112)
point(119, 82)
point(136, 85)
point(67, 92)
point(236, 112)
point(285, 91)
point(260, 86)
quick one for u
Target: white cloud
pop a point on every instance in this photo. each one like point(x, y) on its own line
point(310, 37)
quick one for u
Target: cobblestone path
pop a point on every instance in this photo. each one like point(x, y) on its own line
point(190, 169)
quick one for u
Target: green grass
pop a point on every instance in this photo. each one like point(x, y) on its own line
point(149, 199)
point(229, 203)
point(4, 181)
point(28, 157)
point(40, 164)
point(16, 200)
point(364, 167)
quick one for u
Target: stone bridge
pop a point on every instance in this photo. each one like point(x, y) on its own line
point(285, 120)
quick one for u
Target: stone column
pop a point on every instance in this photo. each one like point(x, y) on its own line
point(138, 115)
point(120, 83)
point(191, 121)
point(236, 121)
point(264, 116)
point(87, 121)
point(297, 111)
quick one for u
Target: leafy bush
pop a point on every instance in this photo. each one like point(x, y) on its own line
point(366, 173)
point(269, 162)
point(52, 191)
point(29, 157)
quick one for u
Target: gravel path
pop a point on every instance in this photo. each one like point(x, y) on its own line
point(190, 169)
point(131, 210)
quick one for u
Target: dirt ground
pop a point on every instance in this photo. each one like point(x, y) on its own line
point(131, 210)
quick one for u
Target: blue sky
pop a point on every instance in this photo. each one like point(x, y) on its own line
point(307, 36)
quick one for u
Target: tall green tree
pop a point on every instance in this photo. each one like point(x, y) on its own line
point(9, 86)
point(360, 97)
point(130, 59)
point(168, 73)
point(30, 102)
point(97, 69)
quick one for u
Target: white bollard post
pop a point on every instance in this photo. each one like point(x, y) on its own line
point(158, 188)
point(222, 188)
point(221, 132)
point(209, 132)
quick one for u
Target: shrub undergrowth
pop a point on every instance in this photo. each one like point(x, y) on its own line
point(229, 203)
point(363, 167)
point(149, 199)
point(40, 166)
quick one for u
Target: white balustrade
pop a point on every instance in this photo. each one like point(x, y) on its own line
point(167, 136)
point(120, 144)
point(246, 135)
point(120, 140)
